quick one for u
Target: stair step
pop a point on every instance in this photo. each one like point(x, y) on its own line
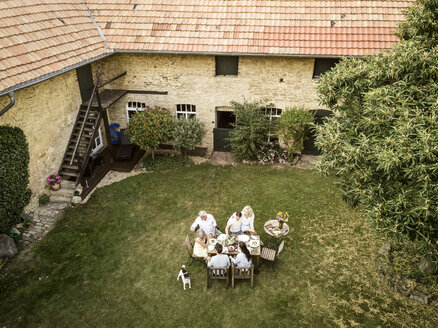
point(84, 135)
point(63, 191)
point(69, 173)
point(71, 167)
point(85, 129)
point(54, 198)
point(68, 184)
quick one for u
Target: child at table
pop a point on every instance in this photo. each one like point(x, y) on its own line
point(201, 244)
point(243, 259)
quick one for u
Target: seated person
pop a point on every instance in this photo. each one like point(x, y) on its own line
point(220, 260)
point(234, 224)
point(201, 244)
point(207, 223)
point(248, 220)
point(243, 259)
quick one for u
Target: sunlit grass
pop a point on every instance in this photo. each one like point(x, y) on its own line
point(114, 261)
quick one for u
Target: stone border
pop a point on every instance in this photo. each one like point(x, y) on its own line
point(402, 285)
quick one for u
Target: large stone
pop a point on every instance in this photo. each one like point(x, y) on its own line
point(7, 246)
point(76, 199)
point(420, 296)
point(385, 250)
point(427, 267)
point(15, 230)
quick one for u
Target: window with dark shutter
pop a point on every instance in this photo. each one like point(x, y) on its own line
point(322, 65)
point(227, 65)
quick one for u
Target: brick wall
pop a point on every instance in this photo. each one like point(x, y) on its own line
point(46, 113)
point(190, 79)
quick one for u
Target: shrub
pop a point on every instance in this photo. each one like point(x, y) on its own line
point(14, 176)
point(44, 199)
point(292, 127)
point(383, 140)
point(187, 133)
point(166, 162)
point(270, 152)
point(150, 128)
point(251, 129)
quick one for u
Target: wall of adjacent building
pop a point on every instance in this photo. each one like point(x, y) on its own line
point(190, 79)
point(46, 113)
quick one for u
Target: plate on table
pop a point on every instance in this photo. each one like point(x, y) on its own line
point(231, 248)
point(213, 241)
point(210, 248)
point(221, 237)
point(255, 237)
point(243, 238)
point(254, 243)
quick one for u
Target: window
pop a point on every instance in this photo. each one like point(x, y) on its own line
point(133, 107)
point(227, 65)
point(98, 142)
point(322, 65)
point(273, 114)
point(186, 111)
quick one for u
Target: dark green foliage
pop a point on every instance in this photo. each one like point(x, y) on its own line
point(251, 129)
point(44, 199)
point(14, 176)
point(166, 162)
point(383, 140)
point(293, 126)
point(187, 133)
point(150, 128)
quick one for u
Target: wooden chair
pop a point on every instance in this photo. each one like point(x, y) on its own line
point(190, 250)
point(218, 274)
point(271, 255)
point(242, 273)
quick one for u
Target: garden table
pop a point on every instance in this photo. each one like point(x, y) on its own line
point(255, 254)
point(271, 228)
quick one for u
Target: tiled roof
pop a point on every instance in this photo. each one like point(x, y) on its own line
point(40, 37)
point(308, 28)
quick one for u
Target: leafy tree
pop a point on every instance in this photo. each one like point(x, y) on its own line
point(187, 133)
point(150, 128)
point(293, 126)
point(251, 129)
point(14, 176)
point(383, 139)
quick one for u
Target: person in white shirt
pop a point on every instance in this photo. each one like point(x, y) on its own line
point(243, 259)
point(207, 223)
point(234, 224)
point(218, 261)
point(248, 220)
point(201, 243)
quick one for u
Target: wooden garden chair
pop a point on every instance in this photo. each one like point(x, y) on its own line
point(242, 273)
point(190, 250)
point(271, 255)
point(218, 274)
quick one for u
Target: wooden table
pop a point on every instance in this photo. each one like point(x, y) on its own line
point(255, 254)
point(274, 223)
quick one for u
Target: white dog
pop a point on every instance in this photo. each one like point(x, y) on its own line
point(185, 277)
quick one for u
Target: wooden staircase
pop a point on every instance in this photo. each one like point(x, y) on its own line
point(71, 167)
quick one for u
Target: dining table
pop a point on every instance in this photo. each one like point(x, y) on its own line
point(255, 252)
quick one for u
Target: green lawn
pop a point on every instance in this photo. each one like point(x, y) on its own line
point(114, 261)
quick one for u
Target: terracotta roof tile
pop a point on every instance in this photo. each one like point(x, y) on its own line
point(42, 37)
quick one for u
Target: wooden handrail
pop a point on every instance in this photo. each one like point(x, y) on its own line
point(110, 80)
point(85, 120)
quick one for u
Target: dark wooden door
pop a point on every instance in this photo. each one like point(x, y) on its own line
point(85, 79)
point(220, 142)
point(309, 142)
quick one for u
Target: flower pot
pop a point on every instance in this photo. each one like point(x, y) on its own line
point(55, 186)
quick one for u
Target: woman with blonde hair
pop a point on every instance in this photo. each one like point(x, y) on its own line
point(201, 244)
point(248, 220)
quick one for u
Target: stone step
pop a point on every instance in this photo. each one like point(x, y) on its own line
point(60, 199)
point(63, 191)
point(55, 206)
point(68, 184)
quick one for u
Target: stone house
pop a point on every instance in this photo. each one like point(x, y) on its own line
point(192, 57)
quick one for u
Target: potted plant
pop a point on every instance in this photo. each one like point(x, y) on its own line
point(54, 181)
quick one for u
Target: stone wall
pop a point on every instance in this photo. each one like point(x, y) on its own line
point(190, 79)
point(46, 113)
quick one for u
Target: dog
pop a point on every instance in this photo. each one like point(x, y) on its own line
point(185, 277)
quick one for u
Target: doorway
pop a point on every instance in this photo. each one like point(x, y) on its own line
point(224, 125)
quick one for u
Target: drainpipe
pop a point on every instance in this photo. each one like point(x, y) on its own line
point(12, 103)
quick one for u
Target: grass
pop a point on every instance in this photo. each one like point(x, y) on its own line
point(166, 162)
point(114, 261)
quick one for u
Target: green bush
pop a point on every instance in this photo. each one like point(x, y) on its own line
point(44, 199)
point(251, 129)
point(150, 128)
point(187, 133)
point(14, 176)
point(292, 127)
point(383, 140)
point(166, 162)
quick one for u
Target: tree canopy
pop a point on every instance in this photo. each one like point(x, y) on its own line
point(383, 139)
